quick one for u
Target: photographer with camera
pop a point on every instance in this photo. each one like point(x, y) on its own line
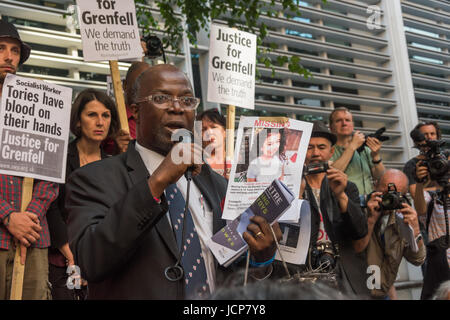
point(387, 209)
point(336, 217)
point(364, 167)
point(430, 206)
point(421, 134)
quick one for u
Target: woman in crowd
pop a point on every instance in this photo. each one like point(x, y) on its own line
point(269, 148)
point(93, 118)
point(213, 139)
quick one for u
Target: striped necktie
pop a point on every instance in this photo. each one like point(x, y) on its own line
point(192, 258)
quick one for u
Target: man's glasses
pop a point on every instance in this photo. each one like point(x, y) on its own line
point(165, 101)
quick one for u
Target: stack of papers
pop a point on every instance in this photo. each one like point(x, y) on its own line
point(228, 244)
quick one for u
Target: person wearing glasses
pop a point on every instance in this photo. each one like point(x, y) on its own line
point(129, 230)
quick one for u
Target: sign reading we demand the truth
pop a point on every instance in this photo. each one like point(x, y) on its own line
point(34, 128)
point(109, 30)
point(231, 75)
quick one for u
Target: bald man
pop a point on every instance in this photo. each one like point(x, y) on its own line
point(126, 212)
point(120, 142)
point(384, 245)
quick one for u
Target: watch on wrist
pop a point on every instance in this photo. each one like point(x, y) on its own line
point(6, 220)
point(376, 162)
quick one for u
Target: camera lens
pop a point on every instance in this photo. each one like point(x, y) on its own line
point(154, 46)
point(154, 43)
point(387, 201)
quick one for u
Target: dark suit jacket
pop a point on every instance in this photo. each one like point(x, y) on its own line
point(56, 214)
point(342, 228)
point(119, 234)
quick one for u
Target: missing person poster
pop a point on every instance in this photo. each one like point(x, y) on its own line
point(266, 149)
point(231, 69)
point(34, 128)
point(109, 30)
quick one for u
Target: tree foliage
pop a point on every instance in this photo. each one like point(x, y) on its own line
point(192, 16)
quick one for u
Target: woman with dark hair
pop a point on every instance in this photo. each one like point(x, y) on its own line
point(268, 147)
point(213, 140)
point(93, 118)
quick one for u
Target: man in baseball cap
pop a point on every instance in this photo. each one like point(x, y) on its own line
point(13, 51)
point(336, 216)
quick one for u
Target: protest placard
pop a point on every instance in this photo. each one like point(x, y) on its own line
point(231, 70)
point(266, 149)
point(109, 30)
point(34, 128)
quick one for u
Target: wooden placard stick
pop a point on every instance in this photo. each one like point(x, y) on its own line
point(231, 113)
point(19, 268)
point(118, 93)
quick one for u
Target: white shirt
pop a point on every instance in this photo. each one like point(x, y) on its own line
point(264, 170)
point(201, 213)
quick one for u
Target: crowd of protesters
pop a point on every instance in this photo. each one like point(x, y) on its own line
point(120, 219)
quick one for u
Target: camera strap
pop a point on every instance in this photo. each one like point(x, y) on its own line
point(327, 212)
point(434, 197)
point(430, 208)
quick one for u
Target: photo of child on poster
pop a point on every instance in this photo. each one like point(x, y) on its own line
point(269, 155)
point(266, 149)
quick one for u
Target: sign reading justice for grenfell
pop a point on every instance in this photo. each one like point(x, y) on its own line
point(109, 30)
point(231, 75)
point(34, 128)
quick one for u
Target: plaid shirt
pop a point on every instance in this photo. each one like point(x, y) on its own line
point(44, 193)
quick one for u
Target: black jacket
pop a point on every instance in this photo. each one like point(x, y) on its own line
point(119, 234)
point(342, 228)
point(57, 215)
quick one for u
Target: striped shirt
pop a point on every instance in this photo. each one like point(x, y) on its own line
point(44, 193)
point(436, 228)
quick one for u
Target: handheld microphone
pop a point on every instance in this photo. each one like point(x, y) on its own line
point(176, 272)
point(186, 136)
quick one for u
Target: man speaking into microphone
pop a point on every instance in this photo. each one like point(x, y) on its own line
point(129, 229)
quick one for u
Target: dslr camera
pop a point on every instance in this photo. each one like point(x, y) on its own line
point(377, 134)
point(392, 200)
point(323, 257)
point(315, 168)
point(154, 47)
point(435, 159)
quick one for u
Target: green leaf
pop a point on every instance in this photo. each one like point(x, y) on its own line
point(243, 14)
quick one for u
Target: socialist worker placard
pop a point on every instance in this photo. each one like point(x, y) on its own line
point(34, 128)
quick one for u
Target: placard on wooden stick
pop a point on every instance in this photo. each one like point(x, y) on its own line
point(231, 113)
point(33, 141)
point(118, 93)
point(231, 74)
point(19, 268)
